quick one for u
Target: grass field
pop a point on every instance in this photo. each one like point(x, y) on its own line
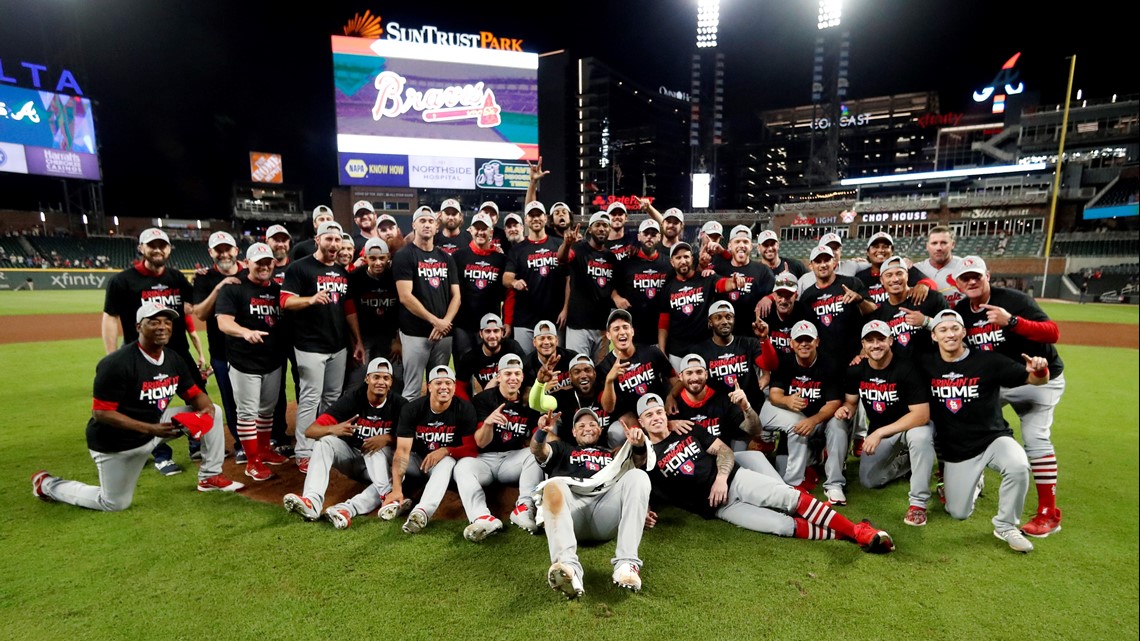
point(185, 565)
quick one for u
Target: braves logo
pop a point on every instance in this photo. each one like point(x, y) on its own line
point(954, 404)
point(688, 468)
point(879, 406)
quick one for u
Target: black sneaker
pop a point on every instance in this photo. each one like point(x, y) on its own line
point(167, 467)
point(239, 457)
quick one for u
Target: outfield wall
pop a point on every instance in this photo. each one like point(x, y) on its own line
point(58, 279)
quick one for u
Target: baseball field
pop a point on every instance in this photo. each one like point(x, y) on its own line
point(184, 565)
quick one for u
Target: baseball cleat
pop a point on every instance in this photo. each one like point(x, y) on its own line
point(915, 516)
point(481, 528)
point(393, 510)
point(38, 486)
point(167, 467)
point(871, 539)
point(257, 471)
point(835, 496)
point(1016, 540)
point(300, 505)
point(564, 579)
point(269, 457)
point(523, 516)
point(417, 521)
point(339, 518)
point(627, 576)
point(1044, 523)
point(240, 457)
point(219, 483)
point(303, 465)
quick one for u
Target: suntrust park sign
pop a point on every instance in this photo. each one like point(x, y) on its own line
point(434, 36)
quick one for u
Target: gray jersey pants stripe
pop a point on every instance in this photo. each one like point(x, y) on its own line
point(322, 377)
point(760, 503)
point(419, 355)
point(1006, 457)
point(255, 394)
point(472, 474)
point(910, 451)
point(331, 452)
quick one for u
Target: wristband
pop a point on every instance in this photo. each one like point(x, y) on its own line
point(540, 436)
point(1013, 321)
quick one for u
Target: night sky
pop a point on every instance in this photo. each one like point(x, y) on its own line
point(184, 91)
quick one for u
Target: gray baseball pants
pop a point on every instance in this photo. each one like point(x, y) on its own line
point(472, 474)
point(1006, 457)
point(322, 377)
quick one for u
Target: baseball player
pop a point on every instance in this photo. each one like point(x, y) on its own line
point(545, 347)
point(622, 243)
point(433, 433)
point(631, 371)
point(561, 217)
point(1010, 323)
point(970, 432)
point(321, 214)
point(149, 280)
point(388, 231)
point(591, 493)
point(131, 415)
point(536, 284)
point(354, 436)
point(880, 248)
point(591, 283)
point(247, 313)
point(728, 417)
point(505, 424)
point(685, 304)
point(364, 214)
point(584, 391)
point(225, 271)
point(841, 268)
point(313, 295)
point(837, 304)
point(769, 247)
point(900, 438)
point(786, 311)
point(671, 224)
point(478, 369)
point(480, 267)
point(756, 279)
point(906, 317)
point(639, 279)
point(942, 264)
point(451, 235)
point(699, 473)
point(428, 283)
point(499, 238)
point(733, 361)
point(513, 230)
point(370, 310)
point(279, 240)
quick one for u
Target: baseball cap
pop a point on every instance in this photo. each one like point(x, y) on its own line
point(894, 262)
point(379, 366)
point(679, 246)
point(440, 371)
point(740, 230)
point(877, 236)
point(376, 243)
point(490, 320)
point(648, 402)
point(423, 212)
point(804, 328)
point(330, 227)
point(693, 360)
point(876, 327)
point(510, 361)
point(819, 251)
point(534, 204)
point(545, 328)
point(450, 203)
point(362, 205)
point(385, 218)
point(586, 411)
point(787, 282)
point(322, 210)
point(489, 204)
point(673, 212)
point(721, 306)
point(150, 310)
point(648, 223)
point(277, 229)
point(971, 265)
point(580, 359)
point(482, 218)
point(616, 205)
point(221, 238)
point(512, 216)
point(767, 235)
point(831, 238)
point(346, 239)
point(712, 228)
point(599, 215)
point(560, 205)
point(619, 314)
point(153, 234)
point(944, 316)
point(258, 251)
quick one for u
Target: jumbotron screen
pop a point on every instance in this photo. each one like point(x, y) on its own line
point(47, 134)
point(420, 115)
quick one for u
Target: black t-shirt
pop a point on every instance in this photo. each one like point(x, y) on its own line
point(624, 247)
point(780, 329)
point(255, 307)
point(987, 336)
point(452, 244)
point(481, 289)
point(838, 323)
point(521, 421)
point(432, 273)
point(716, 414)
point(279, 272)
point(818, 384)
point(639, 280)
point(591, 282)
point(732, 364)
point(531, 365)
point(886, 394)
point(875, 290)
point(128, 382)
point(303, 249)
point(432, 431)
point(686, 303)
point(375, 302)
point(794, 266)
point(966, 401)
point(910, 340)
point(203, 285)
point(570, 401)
point(575, 461)
point(320, 329)
point(372, 420)
point(685, 471)
point(130, 288)
point(758, 283)
point(537, 264)
point(477, 365)
point(649, 372)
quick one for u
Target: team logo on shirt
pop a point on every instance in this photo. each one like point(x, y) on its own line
point(333, 283)
point(481, 274)
point(687, 299)
point(679, 457)
point(827, 308)
point(649, 282)
point(954, 404)
point(434, 271)
point(159, 294)
point(636, 379)
point(591, 459)
point(985, 335)
point(955, 390)
point(826, 320)
point(807, 388)
point(435, 434)
point(159, 391)
point(688, 467)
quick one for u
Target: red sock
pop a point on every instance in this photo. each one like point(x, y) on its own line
point(247, 434)
point(806, 530)
point(818, 514)
point(263, 438)
point(1045, 477)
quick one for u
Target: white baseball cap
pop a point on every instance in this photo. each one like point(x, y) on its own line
point(346, 239)
point(587, 411)
point(330, 227)
point(482, 217)
point(277, 229)
point(386, 218)
point(712, 228)
point(618, 314)
point(322, 210)
point(767, 235)
point(877, 236)
point(379, 366)
point(944, 316)
point(599, 215)
point(489, 204)
point(423, 212)
point(648, 402)
point(560, 205)
point(580, 359)
point(894, 262)
point(221, 238)
point(616, 205)
point(150, 235)
point(545, 328)
point(787, 282)
point(740, 231)
point(376, 243)
point(362, 205)
point(827, 239)
point(490, 320)
point(512, 216)
point(648, 223)
point(804, 328)
point(721, 306)
point(534, 204)
point(679, 246)
point(258, 251)
point(450, 203)
point(821, 250)
point(440, 371)
point(971, 265)
point(876, 327)
point(691, 361)
point(673, 212)
point(510, 361)
point(150, 310)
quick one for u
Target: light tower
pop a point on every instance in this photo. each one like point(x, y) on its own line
point(828, 90)
point(706, 103)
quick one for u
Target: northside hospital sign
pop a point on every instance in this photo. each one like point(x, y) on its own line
point(423, 108)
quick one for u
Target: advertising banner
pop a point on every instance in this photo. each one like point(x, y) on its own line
point(12, 158)
point(502, 175)
point(265, 168)
point(55, 132)
point(434, 172)
point(379, 170)
point(23, 279)
point(65, 164)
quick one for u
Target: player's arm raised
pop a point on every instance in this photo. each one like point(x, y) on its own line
point(538, 445)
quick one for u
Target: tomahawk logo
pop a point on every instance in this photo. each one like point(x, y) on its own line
point(1005, 79)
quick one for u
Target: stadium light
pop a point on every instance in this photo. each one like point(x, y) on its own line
point(708, 20)
point(939, 175)
point(43, 219)
point(830, 12)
